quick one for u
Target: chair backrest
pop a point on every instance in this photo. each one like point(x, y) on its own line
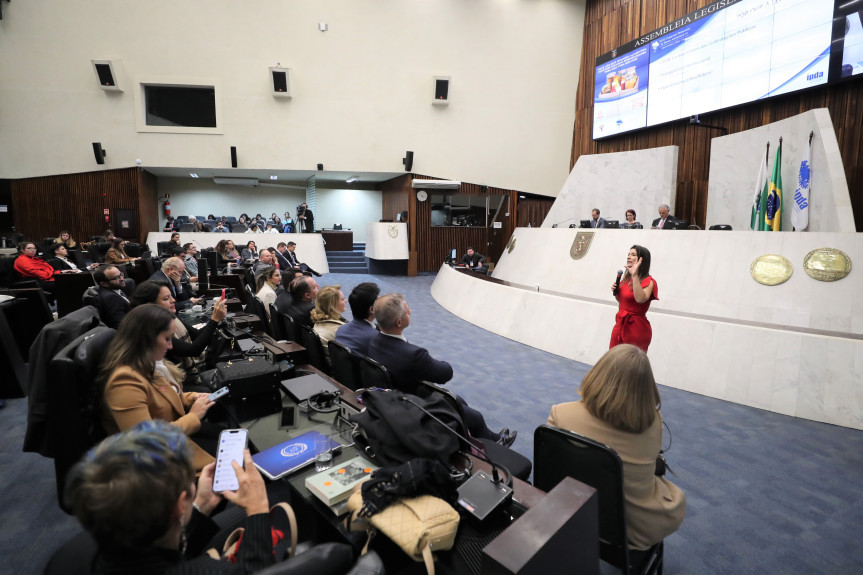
point(182, 219)
point(724, 227)
point(187, 227)
point(78, 256)
point(558, 453)
point(162, 249)
point(314, 348)
point(238, 228)
point(287, 326)
point(373, 373)
point(346, 367)
point(256, 306)
point(74, 423)
point(276, 328)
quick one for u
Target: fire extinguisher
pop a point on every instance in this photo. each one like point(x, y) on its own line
point(107, 217)
point(168, 207)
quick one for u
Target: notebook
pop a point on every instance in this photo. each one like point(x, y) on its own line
point(293, 454)
point(302, 388)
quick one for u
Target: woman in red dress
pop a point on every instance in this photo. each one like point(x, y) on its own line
point(635, 292)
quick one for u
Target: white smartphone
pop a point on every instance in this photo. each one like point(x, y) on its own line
point(232, 442)
point(219, 393)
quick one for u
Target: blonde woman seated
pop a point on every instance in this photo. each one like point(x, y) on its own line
point(327, 315)
point(620, 408)
point(139, 384)
point(267, 282)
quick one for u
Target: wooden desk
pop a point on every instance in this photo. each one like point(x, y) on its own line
point(338, 240)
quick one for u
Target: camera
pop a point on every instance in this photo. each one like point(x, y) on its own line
point(301, 209)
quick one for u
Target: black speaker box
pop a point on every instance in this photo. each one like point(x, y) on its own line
point(99, 153)
point(441, 89)
point(408, 161)
point(248, 377)
point(233, 156)
point(106, 76)
point(280, 81)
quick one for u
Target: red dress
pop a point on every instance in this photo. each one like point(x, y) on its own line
point(631, 325)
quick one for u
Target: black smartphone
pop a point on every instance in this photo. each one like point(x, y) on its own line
point(289, 416)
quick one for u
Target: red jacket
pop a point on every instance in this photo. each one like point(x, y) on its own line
point(30, 267)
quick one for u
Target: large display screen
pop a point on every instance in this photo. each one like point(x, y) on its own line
point(727, 53)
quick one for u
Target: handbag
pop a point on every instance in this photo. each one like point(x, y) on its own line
point(419, 525)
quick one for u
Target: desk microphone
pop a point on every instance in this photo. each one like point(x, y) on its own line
point(563, 222)
point(617, 282)
point(480, 495)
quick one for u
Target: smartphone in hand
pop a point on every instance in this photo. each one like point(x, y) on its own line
point(223, 294)
point(232, 443)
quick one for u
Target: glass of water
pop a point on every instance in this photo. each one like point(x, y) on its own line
point(323, 452)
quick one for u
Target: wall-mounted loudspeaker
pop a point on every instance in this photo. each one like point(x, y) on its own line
point(108, 73)
point(281, 82)
point(99, 153)
point(441, 90)
point(408, 161)
point(233, 156)
point(320, 167)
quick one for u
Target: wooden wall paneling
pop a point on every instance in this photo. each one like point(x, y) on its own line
point(610, 23)
point(148, 204)
point(394, 196)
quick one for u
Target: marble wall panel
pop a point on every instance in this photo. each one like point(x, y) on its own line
point(734, 168)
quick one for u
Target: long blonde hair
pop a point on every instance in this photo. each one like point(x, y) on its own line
point(327, 304)
point(621, 391)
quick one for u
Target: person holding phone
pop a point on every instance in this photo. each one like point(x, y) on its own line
point(146, 513)
point(139, 384)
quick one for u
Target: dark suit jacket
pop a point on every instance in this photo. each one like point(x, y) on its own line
point(112, 307)
point(670, 221)
point(475, 260)
point(356, 335)
point(292, 258)
point(284, 264)
point(600, 223)
point(60, 265)
point(299, 312)
point(408, 364)
point(182, 296)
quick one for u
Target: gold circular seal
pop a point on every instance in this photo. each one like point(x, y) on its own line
point(771, 269)
point(393, 231)
point(511, 245)
point(827, 264)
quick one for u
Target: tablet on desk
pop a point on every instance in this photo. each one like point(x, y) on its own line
point(287, 457)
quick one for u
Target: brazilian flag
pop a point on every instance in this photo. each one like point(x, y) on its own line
point(773, 212)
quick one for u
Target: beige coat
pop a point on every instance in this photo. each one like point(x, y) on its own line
point(130, 399)
point(654, 506)
point(326, 330)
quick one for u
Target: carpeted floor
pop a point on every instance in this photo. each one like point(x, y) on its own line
point(766, 493)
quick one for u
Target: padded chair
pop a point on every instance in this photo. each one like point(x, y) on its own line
point(373, 373)
point(275, 325)
point(346, 367)
point(78, 256)
point(74, 423)
point(286, 325)
point(238, 228)
point(182, 219)
point(519, 465)
point(162, 249)
point(314, 348)
point(187, 228)
point(558, 453)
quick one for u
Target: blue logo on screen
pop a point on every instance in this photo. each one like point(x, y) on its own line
point(815, 75)
point(294, 449)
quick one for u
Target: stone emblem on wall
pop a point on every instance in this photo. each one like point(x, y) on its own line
point(771, 269)
point(580, 245)
point(393, 231)
point(827, 264)
point(510, 245)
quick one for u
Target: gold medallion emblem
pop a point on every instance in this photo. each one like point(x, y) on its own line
point(580, 245)
point(827, 264)
point(771, 269)
point(393, 231)
point(510, 245)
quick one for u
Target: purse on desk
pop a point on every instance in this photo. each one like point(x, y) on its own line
point(419, 525)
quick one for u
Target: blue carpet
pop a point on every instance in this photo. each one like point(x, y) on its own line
point(766, 493)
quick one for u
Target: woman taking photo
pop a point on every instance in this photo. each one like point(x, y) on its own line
point(620, 407)
point(250, 252)
point(138, 384)
point(634, 294)
point(268, 282)
point(116, 254)
point(135, 494)
point(327, 315)
point(184, 350)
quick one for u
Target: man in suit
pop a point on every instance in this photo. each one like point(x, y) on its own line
point(409, 364)
point(357, 333)
point(298, 300)
point(294, 261)
point(114, 295)
point(596, 221)
point(279, 254)
point(474, 260)
point(665, 221)
point(172, 274)
point(62, 263)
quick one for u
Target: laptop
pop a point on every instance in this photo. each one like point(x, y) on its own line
point(289, 456)
point(302, 388)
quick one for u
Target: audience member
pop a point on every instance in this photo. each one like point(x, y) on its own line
point(66, 239)
point(114, 295)
point(61, 261)
point(172, 275)
point(283, 262)
point(116, 254)
point(135, 494)
point(265, 260)
point(665, 221)
point(409, 364)
point(170, 225)
point(140, 385)
point(298, 300)
point(221, 228)
point(595, 220)
point(268, 281)
point(294, 261)
point(250, 252)
point(357, 333)
point(174, 248)
point(288, 223)
point(253, 229)
point(191, 261)
point(271, 229)
point(32, 267)
point(327, 315)
point(196, 225)
point(620, 408)
point(227, 254)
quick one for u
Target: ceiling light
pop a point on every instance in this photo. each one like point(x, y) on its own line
point(249, 182)
point(193, 174)
point(353, 179)
point(274, 177)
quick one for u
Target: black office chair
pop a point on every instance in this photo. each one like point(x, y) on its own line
point(187, 228)
point(723, 227)
point(373, 374)
point(255, 306)
point(162, 249)
point(276, 329)
point(314, 348)
point(346, 367)
point(287, 326)
point(74, 423)
point(238, 228)
point(558, 453)
point(517, 464)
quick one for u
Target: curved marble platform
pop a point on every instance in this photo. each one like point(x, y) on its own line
point(795, 349)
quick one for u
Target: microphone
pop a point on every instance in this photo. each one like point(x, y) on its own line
point(563, 222)
point(617, 282)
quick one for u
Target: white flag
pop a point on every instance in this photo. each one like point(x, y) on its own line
point(760, 182)
point(800, 205)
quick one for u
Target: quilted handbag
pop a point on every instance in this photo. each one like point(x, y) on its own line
point(419, 525)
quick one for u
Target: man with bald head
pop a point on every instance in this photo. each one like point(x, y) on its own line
point(298, 300)
point(172, 275)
